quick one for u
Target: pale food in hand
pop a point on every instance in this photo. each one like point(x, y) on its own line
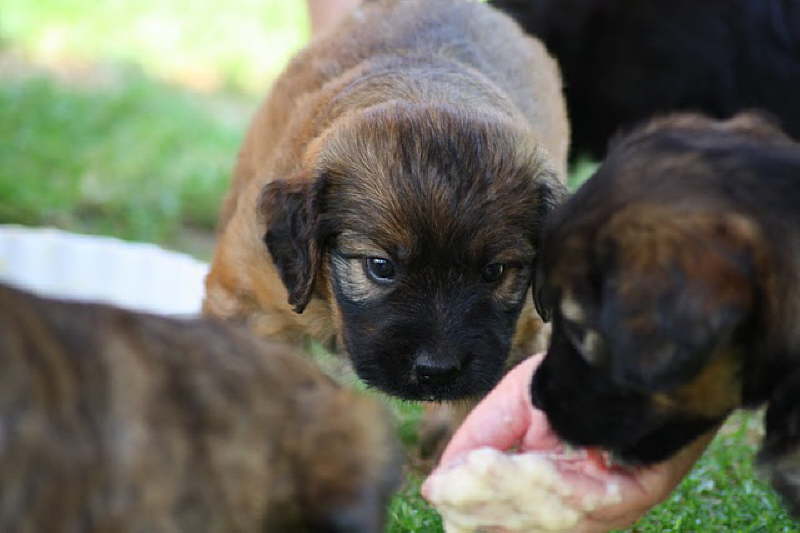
point(492, 491)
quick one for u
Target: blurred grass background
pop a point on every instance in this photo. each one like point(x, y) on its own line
point(124, 118)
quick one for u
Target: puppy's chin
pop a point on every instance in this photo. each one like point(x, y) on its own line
point(584, 409)
point(473, 381)
point(662, 443)
point(654, 441)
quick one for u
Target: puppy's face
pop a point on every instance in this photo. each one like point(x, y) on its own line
point(652, 288)
point(423, 227)
point(647, 345)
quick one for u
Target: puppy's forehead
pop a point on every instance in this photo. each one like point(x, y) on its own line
point(364, 242)
point(449, 175)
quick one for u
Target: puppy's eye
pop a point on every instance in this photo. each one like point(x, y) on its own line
point(493, 272)
point(379, 269)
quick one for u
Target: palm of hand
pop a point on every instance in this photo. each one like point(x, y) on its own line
point(507, 421)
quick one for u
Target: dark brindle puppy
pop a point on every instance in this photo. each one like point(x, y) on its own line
point(117, 421)
point(673, 278)
point(388, 195)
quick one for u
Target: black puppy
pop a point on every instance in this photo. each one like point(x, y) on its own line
point(627, 60)
point(673, 281)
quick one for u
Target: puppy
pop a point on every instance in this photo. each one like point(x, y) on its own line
point(626, 61)
point(117, 421)
point(673, 280)
point(388, 193)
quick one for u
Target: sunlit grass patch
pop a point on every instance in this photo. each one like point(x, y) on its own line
point(137, 160)
point(204, 44)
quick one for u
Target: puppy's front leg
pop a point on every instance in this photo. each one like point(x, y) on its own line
point(779, 458)
point(439, 422)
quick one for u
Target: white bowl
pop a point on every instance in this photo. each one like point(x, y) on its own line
point(133, 275)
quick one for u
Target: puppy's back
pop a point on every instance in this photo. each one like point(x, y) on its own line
point(497, 56)
point(116, 421)
point(469, 32)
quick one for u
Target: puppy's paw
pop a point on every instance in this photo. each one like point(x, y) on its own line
point(439, 422)
point(779, 458)
point(783, 474)
point(437, 426)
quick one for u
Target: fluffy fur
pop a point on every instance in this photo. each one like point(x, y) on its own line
point(387, 197)
point(624, 61)
point(673, 280)
point(117, 421)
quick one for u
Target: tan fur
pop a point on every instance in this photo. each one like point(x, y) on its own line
point(650, 241)
point(321, 92)
point(710, 392)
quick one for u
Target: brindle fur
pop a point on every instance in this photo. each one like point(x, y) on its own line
point(673, 278)
point(117, 421)
point(429, 132)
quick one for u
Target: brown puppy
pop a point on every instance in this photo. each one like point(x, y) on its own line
point(673, 277)
point(117, 421)
point(388, 193)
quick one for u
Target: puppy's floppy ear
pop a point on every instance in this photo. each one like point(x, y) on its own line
point(550, 194)
point(664, 329)
point(291, 209)
point(687, 327)
point(543, 297)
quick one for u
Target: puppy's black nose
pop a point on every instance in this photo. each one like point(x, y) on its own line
point(430, 368)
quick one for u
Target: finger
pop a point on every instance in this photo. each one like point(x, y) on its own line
point(643, 488)
point(502, 419)
point(539, 436)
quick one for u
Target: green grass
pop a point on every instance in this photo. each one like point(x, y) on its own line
point(138, 160)
point(409, 513)
point(581, 170)
point(239, 44)
point(124, 118)
point(722, 493)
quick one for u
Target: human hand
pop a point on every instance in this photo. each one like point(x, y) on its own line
point(506, 420)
